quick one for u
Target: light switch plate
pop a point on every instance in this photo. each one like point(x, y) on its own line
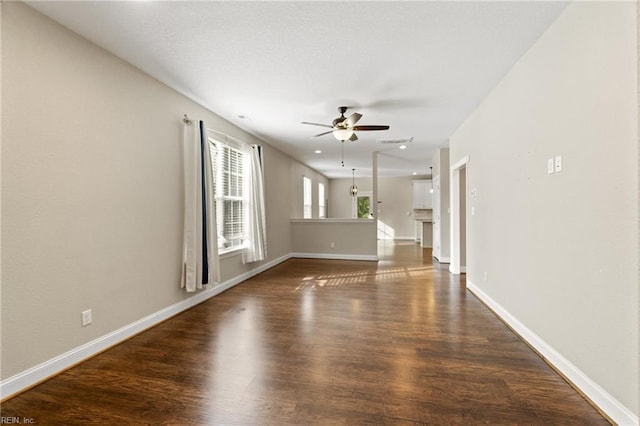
point(550, 166)
point(86, 317)
point(558, 163)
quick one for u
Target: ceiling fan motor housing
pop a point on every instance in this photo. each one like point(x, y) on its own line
point(339, 122)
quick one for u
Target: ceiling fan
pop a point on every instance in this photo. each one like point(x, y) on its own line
point(344, 128)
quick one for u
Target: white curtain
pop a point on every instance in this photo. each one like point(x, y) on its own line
point(200, 263)
point(256, 245)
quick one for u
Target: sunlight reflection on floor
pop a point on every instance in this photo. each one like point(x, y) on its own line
point(351, 278)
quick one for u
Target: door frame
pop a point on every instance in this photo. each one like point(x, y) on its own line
point(455, 266)
point(436, 217)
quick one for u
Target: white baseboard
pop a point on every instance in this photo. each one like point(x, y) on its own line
point(462, 270)
point(47, 369)
point(608, 404)
point(443, 259)
point(336, 256)
point(252, 273)
point(404, 238)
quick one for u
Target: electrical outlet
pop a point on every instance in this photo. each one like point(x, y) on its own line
point(332, 244)
point(86, 317)
point(558, 163)
point(485, 277)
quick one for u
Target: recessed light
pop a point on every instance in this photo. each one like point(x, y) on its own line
point(414, 173)
point(317, 151)
point(403, 147)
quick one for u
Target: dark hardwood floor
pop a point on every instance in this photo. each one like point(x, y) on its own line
point(319, 342)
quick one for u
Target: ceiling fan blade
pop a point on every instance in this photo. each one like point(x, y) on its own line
point(322, 134)
point(353, 137)
point(352, 119)
point(317, 124)
point(370, 127)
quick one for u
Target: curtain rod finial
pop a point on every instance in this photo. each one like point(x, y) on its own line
point(187, 121)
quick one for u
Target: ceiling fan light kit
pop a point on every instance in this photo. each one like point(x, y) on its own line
point(343, 134)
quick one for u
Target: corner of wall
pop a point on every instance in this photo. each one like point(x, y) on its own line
point(638, 114)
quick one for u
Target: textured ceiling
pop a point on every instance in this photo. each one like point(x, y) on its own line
point(420, 67)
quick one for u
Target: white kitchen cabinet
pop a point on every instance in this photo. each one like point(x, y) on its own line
point(422, 196)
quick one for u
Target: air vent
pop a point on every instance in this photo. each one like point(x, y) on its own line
point(395, 141)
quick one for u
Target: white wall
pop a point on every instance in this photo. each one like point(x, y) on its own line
point(395, 212)
point(340, 200)
point(396, 195)
point(92, 191)
point(329, 238)
point(560, 250)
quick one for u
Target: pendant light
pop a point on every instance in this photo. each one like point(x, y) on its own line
point(354, 189)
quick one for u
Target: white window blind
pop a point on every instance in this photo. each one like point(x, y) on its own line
point(306, 197)
point(321, 211)
point(228, 184)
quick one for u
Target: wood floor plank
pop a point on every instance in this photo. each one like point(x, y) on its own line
point(398, 342)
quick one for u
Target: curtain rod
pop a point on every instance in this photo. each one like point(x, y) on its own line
point(226, 136)
point(186, 120)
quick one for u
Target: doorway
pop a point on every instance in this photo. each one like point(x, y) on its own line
point(435, 184)
point(459, 217)
point(362, 205)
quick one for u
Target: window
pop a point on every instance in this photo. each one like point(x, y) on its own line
point(306, 197)
point(321, 212)
point(229, 187)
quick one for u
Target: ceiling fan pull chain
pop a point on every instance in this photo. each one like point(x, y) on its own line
point(342, 151)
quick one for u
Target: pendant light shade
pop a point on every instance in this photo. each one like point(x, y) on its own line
point(353, 190)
